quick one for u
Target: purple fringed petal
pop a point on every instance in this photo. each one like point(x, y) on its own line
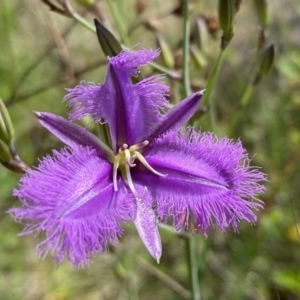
point(153, 92)
point(130, 60)
point(70, 198)
point(208, 181)
point(84, 99)
point(131, 111)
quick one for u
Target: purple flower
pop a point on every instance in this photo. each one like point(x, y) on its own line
point(151, 171)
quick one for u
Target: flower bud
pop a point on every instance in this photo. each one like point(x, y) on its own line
point(261, 8)
point(226, 11)
point(3, 131)
point(5, 156)
point(166, 52)
point(6, 127)
point(109, 44)
point(199, 59)
point(266, 63)
point(202, 35)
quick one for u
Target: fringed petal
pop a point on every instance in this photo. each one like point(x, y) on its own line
point(70, 201)
point(84, 100)
point(131, 111)
point(209, 181)
point(129, 61)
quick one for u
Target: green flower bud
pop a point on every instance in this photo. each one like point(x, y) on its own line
point(261, 8)
point(166, 52)
point(266, 62)
point(109, 44)
point(6, 127)
point(226, 11)
point(199, 59)
point(5, 156)
point(202, 35)
point(3, 131)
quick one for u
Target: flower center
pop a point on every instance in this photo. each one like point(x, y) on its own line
point(125, 159)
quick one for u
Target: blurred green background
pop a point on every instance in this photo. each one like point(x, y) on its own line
point(42, 52)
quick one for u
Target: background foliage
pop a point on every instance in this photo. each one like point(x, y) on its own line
point(38, 60)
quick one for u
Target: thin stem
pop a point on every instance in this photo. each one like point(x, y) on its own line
point(212, 78)
point(172, 230)
point(118, 19)
point(84, 22)
point(170, 73)
point(186, 47)
point(191, 251)
point(244, 101)
point(247, 94)
point(169, 281)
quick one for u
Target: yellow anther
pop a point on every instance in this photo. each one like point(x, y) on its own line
point(124, 160)
point(135, 147)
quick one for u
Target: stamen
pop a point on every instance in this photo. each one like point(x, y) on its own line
point(141, 158)
point(123, 148)
point(129, 158)
point(129, 181)
point(125, 158)
point(115, 170)
point(135, 147)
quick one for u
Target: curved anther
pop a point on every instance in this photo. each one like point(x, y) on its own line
point(135, 147)
point(125, 158)
point(141, 158)
point(129, 181)
point(115, 170)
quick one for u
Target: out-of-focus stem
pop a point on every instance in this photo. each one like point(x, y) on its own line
point(118, 19)
point(212, 78)
point(191, 251)
point(243, 102)
point(209, 89)
point(247, 94)
point(186, 46)
point(83, 22)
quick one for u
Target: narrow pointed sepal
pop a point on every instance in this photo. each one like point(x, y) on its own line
point(109, 44)
point(178, 115)
point(73, 135)
point(146, 225)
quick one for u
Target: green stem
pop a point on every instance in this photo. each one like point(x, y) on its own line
point(191, 251)
point(84, 22)
point(118, 19)
point(170, 73)
point(247, 94)
point(172, 230)
point(212, 78)
point(244, 101)
point(186, 47)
